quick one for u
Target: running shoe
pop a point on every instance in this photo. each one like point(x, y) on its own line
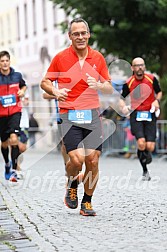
point(7, 175)
point(20, 174)
point(87, 210)
point(13, 177)
point(146, 176)
point(71, 198)
point(7, 171)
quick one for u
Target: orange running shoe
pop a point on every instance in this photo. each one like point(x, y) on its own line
point(87, 210)
point(71, 198)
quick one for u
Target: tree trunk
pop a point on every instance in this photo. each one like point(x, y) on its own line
point(163, 59)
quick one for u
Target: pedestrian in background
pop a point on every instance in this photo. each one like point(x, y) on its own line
point(80, 72)
point(33, 130)
point(145, 94)
point(129, 138)
point(12, 88)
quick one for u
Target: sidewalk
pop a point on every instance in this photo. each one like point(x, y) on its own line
point(12, 236)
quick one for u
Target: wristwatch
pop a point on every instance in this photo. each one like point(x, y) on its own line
point(158, 101)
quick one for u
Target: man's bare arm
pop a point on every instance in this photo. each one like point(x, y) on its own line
point(104, 87)
point(60, 94)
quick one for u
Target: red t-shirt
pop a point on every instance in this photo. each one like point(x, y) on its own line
point(141, 92)
point(66, 70)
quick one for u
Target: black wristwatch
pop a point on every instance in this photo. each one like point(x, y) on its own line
point(158, 101)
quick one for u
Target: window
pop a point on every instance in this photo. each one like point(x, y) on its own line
point(1, 32)
point(54, 15)
point(34, 17)
point(25, 21)
point(44, 11)
point(9, 28)
point(18, 23)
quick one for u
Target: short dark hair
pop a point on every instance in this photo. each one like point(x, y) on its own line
point(4, 53)
point(78, 20)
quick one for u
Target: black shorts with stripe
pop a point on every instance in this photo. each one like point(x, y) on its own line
point(87, 136)
point(143, 129)
point(8, 125)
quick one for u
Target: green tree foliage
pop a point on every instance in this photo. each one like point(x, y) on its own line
point(126, 28)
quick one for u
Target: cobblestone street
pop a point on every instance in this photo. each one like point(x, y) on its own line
point(131, 213)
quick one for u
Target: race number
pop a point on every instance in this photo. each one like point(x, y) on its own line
point(8, 100)
point(144, 116)
point(80, 116)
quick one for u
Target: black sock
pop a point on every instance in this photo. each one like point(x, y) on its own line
point(146, 153)
point(144, 167)
point(14, 155)
point(5, 154)
point(73, 183)
point(142, 155)
point(86, 198)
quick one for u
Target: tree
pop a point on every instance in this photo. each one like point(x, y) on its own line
point(126, 28)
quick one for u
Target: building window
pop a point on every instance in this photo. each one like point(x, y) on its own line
point(20, 52)
point(9, 28)
point(1, 31)
point(54, 15)
point(34, 17)
point(44, 11)
point(35, 48)
point(27, 50)
point(18, 23)
point(25, 21)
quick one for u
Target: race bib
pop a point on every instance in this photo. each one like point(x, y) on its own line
point(144, 116)
point(80, 116)
point(8, 100)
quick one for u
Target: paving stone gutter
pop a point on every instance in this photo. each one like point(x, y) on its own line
point(12, 236)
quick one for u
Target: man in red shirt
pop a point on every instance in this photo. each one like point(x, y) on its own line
point(81, 73)
point(145, 94)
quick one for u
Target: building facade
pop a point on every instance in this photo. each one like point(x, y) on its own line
point(31, 31)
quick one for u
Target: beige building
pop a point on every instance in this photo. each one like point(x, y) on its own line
point(30, 30)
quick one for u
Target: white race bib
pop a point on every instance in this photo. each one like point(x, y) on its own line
point(144, 116)
point(8, 100)
point(80, 116)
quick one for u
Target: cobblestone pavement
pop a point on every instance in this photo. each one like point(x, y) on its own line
point(131, 214)
point(12, 235)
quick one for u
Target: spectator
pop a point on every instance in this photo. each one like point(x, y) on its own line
point(33, 129)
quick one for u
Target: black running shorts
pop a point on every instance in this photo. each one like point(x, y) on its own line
point(87, 136)
point(143, 129)
point(9, 125)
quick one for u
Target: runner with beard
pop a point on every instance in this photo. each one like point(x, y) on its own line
point(144, 113)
